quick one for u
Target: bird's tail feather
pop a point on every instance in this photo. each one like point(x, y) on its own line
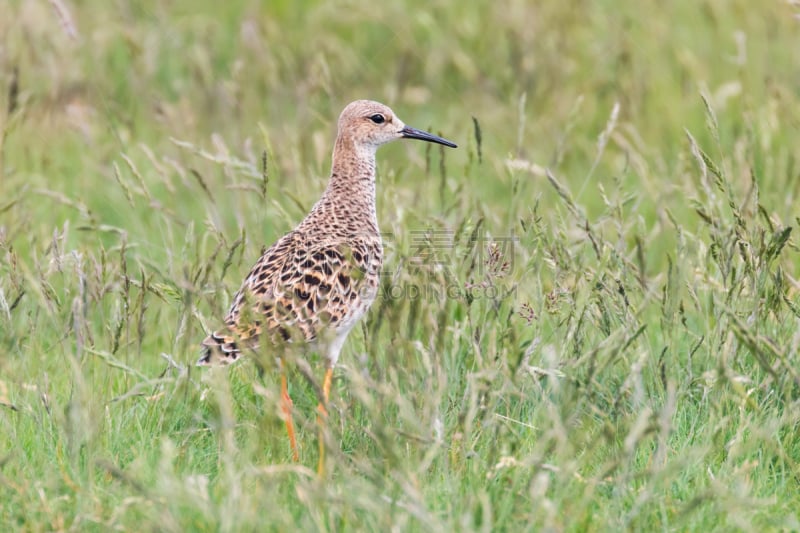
point(219, 349)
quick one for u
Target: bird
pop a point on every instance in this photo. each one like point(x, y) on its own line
point(312, 286)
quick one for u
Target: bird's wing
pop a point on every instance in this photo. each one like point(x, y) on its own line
point(297, 287)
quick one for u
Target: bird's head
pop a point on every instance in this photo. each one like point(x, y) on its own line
point(372, 124)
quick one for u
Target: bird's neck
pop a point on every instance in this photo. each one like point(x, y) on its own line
point(351, 189)
point(353, 164)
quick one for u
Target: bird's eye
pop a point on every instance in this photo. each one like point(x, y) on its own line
point(377, 118)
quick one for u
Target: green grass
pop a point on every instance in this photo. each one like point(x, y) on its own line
point(590, 309)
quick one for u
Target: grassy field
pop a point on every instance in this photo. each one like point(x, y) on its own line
point(589, 315)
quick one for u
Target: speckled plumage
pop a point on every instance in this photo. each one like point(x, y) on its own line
point(319, 280)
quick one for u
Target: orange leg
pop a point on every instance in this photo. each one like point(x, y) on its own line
point(322, 417)
point(286, 407)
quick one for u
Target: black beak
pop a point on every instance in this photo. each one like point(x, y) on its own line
point(411, 133)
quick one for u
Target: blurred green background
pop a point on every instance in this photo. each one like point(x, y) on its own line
point(629, 363)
